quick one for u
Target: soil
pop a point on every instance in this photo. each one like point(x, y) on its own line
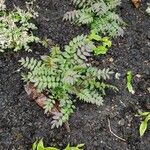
point(22, 121)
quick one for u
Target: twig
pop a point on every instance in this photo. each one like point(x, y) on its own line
point(113, 132)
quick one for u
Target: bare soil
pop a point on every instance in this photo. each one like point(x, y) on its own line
point(22, 121)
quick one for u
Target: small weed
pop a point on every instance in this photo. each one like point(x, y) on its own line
point(105, 43)
point(144, 124)
point(39, 145)
point(129, 82)
point(16, 28)
point(98, 14)
point(62, 75)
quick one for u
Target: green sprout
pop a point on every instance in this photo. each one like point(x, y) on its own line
point(39, 145)
point(105, 43)
point(144, 123)
point(129, 82)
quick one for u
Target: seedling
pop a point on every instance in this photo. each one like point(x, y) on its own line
point(105, 43)
point(129, 82)
point(39, 145)
point(144, 124)
point(57, 78)
point(16, 28)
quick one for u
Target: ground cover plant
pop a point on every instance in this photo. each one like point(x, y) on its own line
point(16, 28)
point(64, 74)
point(100, 15)
point(129, 82)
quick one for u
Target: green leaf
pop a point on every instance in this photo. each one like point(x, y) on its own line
point(100, 50)
point(106, 42)
point(129, 82)
point(94, 36)
point(34, 146)
point(78, 147)
point(144, 124)
point(144, 113)
point(68, 147)
point(74, 75)
point(40, 145)
point(51, 148)
point(143, 128)
point(147, 118)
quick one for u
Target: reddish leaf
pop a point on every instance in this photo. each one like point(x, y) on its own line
point(136, 3)
point(40, 98)
point(32, 91)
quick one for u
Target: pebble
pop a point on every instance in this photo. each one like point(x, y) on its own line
point(117, 76)
point(130, 118)
point(138, 76)
point(121, 122)
point(111, 60)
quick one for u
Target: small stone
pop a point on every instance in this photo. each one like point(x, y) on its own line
point(130, 118)
point(53, 140)
point(129, 125)
point(37, 53)
point(121, 122)
point(138, 76)
point(111, 59)
point(148, 89)
point(146, 61)
point(30, 124)
point(60, 144)
point(117, 75)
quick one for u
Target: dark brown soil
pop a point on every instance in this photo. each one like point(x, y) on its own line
point(22, 121)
